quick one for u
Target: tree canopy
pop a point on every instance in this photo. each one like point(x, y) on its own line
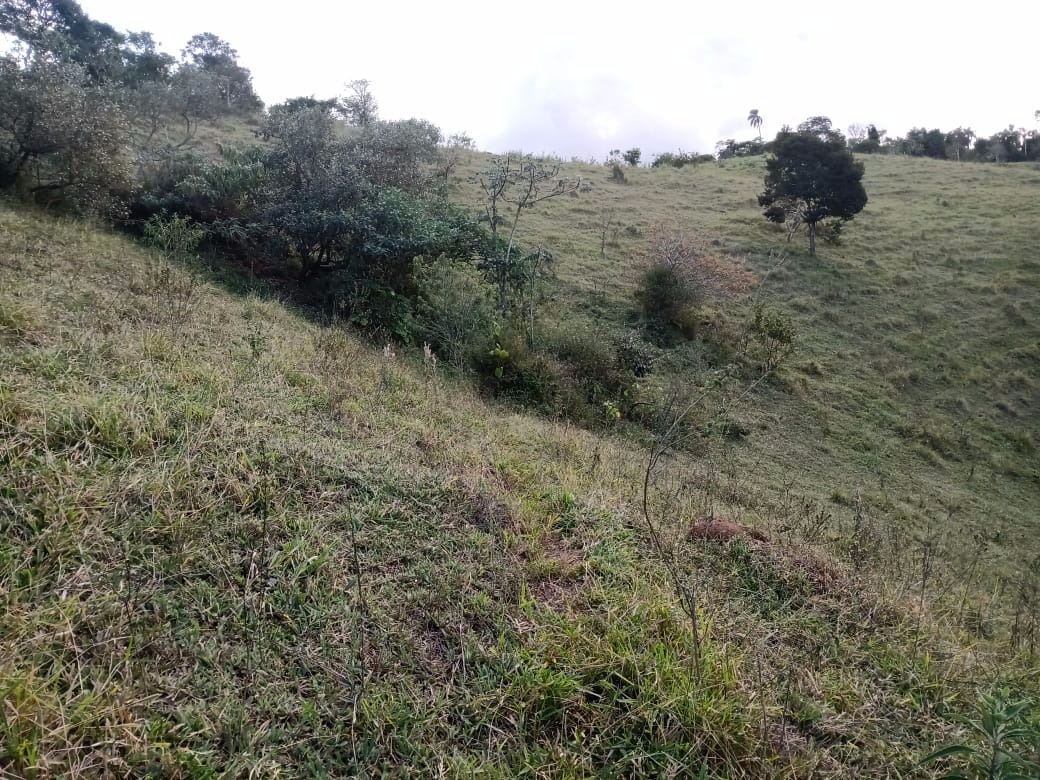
point(359, 107)
point(214, 57)
point(812, 177)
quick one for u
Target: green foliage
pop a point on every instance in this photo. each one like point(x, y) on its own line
point(634, 354)
point(58, 31)
point(597, 368)
point(810, 179)
point(769, 340)
point(509, 369)
point(174, 235)
point(523, 276)
point(632, 156)
point(454, 310)
point(220, 194)
point(1012, 144)
point(680, 159)
point(339, 219)
point(866, 146)
point(398, 154)
point(673, 285)
point(923, 143)
point(368, 277)
point(292, 105)
point(575, 375)
point(728, 149)
point(82, 93)
point(665, 301)
point(822, 128)
point(1006, 744)
point(144, 64)
point(359, 106)
point(232, 84)
point(61, 137)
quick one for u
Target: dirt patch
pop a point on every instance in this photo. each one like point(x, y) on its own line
point(483, 509)
point(556, 574)
point(722, 529)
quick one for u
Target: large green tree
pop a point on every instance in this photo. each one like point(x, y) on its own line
point(214, 57)
point(810, 179)
point(59, 30)
point(62, 138)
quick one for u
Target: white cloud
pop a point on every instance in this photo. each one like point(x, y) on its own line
point(579, 79)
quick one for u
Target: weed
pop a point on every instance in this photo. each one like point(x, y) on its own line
point(1007, 739)
point(172, 291)
point(258, 341)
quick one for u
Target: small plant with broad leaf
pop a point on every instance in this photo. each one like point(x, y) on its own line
point(1006, 744)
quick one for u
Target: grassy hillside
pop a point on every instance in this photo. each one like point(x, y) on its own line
point(916, 379)
point(237, 543)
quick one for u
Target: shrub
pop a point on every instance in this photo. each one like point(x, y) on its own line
point(769, 339)
point(597, 371)
point(719, 339)
point(590, 357)
point(577, 376)
point(62, 139)
point(1004, 738)
point(454, 309)
point(680, 159)
point(509, 369)
point(729, 148)
point(674, 284)
point(633, 354)
point(664, 299)
point(175, 236)
point(868, 146)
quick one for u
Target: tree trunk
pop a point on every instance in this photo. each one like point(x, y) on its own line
point(812, 238)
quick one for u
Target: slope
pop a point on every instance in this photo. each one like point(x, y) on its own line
point(236, 542)
point(913, 395)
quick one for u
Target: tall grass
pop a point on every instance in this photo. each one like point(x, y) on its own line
point(235, 542)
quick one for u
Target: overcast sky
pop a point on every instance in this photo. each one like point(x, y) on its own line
point(580, 78)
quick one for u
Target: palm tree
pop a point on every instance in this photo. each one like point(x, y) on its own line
point(755, 120)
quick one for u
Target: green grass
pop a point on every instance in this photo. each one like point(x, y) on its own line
point(915, 379)
point(235, 542)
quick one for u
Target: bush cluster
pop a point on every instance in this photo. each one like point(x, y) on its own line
point(680, 159)
point(85, 109)
point(674, 283)
point(729, 148)
point(96, 120)
point(577, 374)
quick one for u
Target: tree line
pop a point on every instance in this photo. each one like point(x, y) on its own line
point(1011, 144)
point(1005, 146)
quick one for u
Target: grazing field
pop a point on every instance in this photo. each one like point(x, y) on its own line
point(239, 543)
point(915, 382)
